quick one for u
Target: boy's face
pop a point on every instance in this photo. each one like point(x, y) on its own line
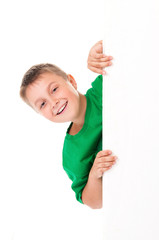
point(54, 97)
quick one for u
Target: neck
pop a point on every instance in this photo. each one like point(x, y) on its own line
point(81, 118)
point(78, 123)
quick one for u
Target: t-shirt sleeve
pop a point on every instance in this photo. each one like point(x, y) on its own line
point(95, 92)
point(78, 185)
point(97, 85)
point(79, 181)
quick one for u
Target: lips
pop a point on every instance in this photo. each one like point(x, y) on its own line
point(62, 108)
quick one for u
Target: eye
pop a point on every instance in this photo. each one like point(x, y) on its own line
point(54, 89)
point(42, 105)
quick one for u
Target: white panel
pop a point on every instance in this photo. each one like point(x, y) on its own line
point(131, 120)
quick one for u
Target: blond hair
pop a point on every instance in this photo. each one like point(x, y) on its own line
point(34, 72)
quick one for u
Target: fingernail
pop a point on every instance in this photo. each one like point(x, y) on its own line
point(104, 72)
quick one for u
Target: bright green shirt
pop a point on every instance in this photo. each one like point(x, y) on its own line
point(79, 151)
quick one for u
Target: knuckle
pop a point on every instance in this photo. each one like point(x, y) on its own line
point(106, 165)
point(99, 65)
point(97, 56)
point(114, 157)
point(88, 62)
point(99, 153)
point(108, 152)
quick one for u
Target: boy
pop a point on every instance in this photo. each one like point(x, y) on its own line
point(53, 94)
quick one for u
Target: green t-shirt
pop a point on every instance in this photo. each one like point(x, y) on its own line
point(79, 151)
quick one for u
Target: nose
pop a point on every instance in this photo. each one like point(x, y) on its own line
point(55, 104)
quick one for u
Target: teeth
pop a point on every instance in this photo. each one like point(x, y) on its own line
point(61, 109)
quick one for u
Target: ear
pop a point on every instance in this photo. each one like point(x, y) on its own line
point(72, 81)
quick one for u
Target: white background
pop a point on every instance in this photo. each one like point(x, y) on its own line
point(131, 188)
point(36, 200)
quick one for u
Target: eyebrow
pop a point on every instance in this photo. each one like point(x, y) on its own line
point(47, 88)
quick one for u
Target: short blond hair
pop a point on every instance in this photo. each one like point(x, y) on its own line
point(34, 72)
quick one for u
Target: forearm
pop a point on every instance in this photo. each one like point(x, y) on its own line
point(92, 193)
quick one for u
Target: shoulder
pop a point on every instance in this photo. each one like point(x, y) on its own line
point(97, 82)
point(96, 86)
point(95, 92)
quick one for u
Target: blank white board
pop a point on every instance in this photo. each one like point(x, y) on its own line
point(131, 120)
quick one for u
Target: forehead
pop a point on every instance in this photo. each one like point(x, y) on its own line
point(47, 77)
point(44, 79)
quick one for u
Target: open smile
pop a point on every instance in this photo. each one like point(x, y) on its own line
point(61, 110)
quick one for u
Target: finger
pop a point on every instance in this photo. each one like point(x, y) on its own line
point(100, 64)
point(97, 70)
point(99, 162)
point(97, 43)
point(96, 54)
point(106, 159)
point(100, 42)
point(102, 59)
point(105, 59)
point(104, 153)
point(108, 164)
point(102, 170)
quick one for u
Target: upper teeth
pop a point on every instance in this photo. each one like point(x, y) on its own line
point(61, 109)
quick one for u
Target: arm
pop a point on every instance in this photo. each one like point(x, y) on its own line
point(97, 61)
point(92, 193)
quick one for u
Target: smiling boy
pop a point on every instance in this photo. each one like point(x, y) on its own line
point(53, 93)
point(56, 97)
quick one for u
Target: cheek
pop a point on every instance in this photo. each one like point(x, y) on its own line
point(73, 95)
point(46, 113)
point(75, 105)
